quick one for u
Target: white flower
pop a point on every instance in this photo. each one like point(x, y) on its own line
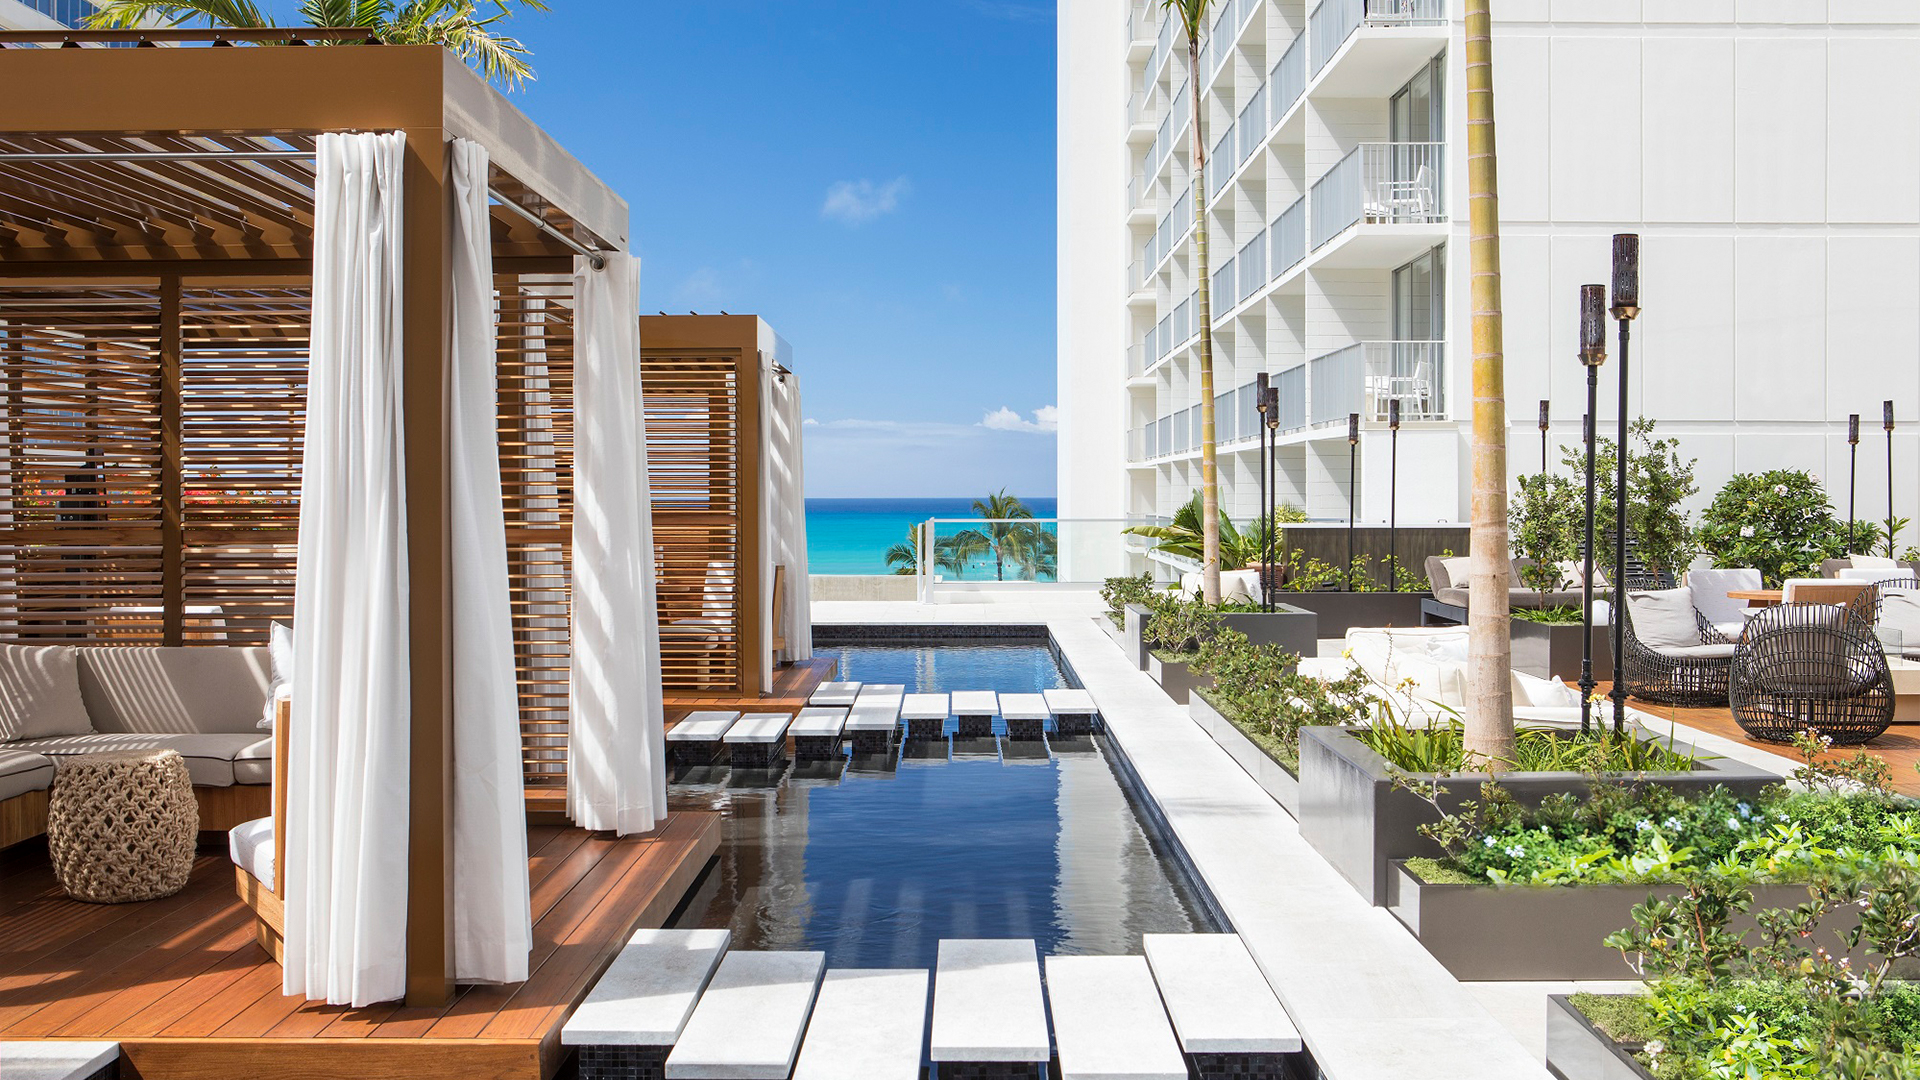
point(1655, 1048)
point(1780, 489)
point(1732, 822)
point(1672, 823)
point(1644, 825)
point(1746, 531)
point(1746, 809)
point(1489, 841)
point(1516, 851)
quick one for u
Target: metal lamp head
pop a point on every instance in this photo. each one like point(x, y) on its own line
point(1260, 392)
point(1270, 404)
point(1853, 429)
point(1546, 414)
point(1593, 325)
point(1626, 275)
point(1886, 412)
point(1393, 414)
point(1353, 428)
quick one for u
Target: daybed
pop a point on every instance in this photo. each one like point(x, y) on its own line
point(1448, 578)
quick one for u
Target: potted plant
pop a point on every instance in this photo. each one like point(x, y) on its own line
point(1779, 522)
point(1174, 632)
point(1545, 519)
point(1258, 702)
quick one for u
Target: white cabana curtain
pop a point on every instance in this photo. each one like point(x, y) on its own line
point(616, 746)
point(492, 916)
point(783, 514)
point(346, 869)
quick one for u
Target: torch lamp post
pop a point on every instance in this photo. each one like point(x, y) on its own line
point(1593, 353)
point(1626, 307)
point(1272, 434)
point(1886, 421)
point(1266, 515)
point(1353, 491)
point(1393, 495)
point(1853, 468)
point(1546, 421)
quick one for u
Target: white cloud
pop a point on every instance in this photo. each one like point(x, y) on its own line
point(856, 202)
point(1046, 419)
point(809, 422)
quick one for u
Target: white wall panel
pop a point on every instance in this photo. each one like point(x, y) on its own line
point(1873, 324)
point(1779, 328)
point(1522, 110)
point(1527, 298)
point(1575, 260)
point(1870, 11)
point(1688, 135)
point(1595, 86)
point(1873, 130)
point(1688, 11)
point(1780, 128)
point(1599, 10)
point(1684, 340)
point(1781, 11)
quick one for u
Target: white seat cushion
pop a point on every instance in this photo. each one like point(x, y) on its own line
point(1710, 588)
point(1663, 619)
point(21, 772)
point(40, 692)
point(1872, 562)
point(1900, 610)
point(250, 845)
point(1696, 652)
point(253, 764)
point(210, 758)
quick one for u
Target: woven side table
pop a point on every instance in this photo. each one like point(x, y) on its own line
point(121, 825)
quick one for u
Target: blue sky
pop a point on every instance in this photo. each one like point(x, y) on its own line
point(875, 179)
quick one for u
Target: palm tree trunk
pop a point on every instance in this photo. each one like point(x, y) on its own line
point(1209, 460)
point(1489, 719)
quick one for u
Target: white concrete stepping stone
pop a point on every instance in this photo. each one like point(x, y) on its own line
point(1219, 1001)
point(842, 694)
point(1026, 714)
point(871, 726)
point(696, 738)
point(976, 710)
point(816, 732)
point(749, 1022)
point(1073, 710)
point(649, 990)
point(757, 740)
point(1108, 1021)
point(987, 1004)
point(926, 715)
point(55, 1060)
point(869, 1024)
point(880, 692)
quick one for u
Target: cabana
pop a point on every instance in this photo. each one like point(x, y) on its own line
point(338, 338)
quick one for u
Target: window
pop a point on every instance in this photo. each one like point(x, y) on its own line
point(1418, 111)
point(1420, 298)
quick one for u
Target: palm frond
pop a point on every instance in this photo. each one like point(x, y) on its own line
point(454, 25)
point(132, 14)
point(367, 14)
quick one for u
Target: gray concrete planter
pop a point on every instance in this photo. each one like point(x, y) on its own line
point(1576, 1050)
point(1341, 611)
point(1553, 652)
point(1177, 679)
point(1484, 933)
point(1293, 628)
point(1133, 636)
point(1358, 821)
point(1273, 777)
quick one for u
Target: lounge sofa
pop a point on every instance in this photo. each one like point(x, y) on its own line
point(1421, 675)
point(1447, 576)
point(206, 702)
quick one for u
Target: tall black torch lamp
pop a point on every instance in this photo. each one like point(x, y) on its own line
point(1272, 433)
point(1626, 307)
point(1886, 421)
point(1393, 494)
point(1593, 353)
point(1546, 421)
point(1353, 491)
point(1266, 513)
point(1853, 468)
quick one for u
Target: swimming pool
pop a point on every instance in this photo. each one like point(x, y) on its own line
point(874, 860)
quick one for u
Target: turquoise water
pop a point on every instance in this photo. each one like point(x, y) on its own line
point(851, 536)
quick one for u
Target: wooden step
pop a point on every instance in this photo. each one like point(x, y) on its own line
point(1108, 1021)
point(749, 1022)
point(649, 990)
point(1219, 1001)
point(870, 1024)
point(987, 1004)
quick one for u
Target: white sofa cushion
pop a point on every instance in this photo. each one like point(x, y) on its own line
point(1872, 562)
point(1900, 610)
point(279, 670)
point(21, 772)
point(40, 692)
point(1714, 651)
point(1663, 618)
point(1434, 660)
point(1534, 691)
point(1458, 568)
point(210, 758)
point(155, 690)
point(250, 845)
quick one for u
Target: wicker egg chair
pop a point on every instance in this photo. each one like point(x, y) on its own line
point(1811, 667)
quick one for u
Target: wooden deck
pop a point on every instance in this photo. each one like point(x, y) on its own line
point(1900, 746)
point(180, 984)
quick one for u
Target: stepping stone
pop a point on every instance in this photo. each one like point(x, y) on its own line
point(748, 1023)
point(976, 710)
point(57, 1060)
point(757, 740)
point(880, 693)
point(817, 733)
point(1108, 1020)
point(870, 726)
point(987, 1005)
point(841, 694)
point(869, 1024)
point(1074, 712)
point(695, 740)
point(636, 1012)
point(926, 715)
point(1026, 715)
point(1223, 1010)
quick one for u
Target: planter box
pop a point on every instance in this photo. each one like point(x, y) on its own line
point(1359, 822)
point(1293, 628)
point(1177, 679)
point(1576, 1050)
point(1341, 611)
point(1483, 933)
point(1133, 637)
point(1553, 652)
point(1276, 779)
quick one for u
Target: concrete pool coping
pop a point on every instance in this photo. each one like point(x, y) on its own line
point(1369, 1001)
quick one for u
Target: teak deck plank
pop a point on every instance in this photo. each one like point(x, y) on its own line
point(182, 985)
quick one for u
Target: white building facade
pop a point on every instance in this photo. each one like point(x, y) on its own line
point(44, 14)
point(1767, 151)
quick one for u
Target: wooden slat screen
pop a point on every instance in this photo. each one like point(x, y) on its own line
point(693, 458)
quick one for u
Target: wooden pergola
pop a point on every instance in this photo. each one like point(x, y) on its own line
point(156, 215)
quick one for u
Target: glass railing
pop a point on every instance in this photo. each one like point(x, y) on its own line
point(1136, 361)
point(1291, 386)
point(1223, 293)
point(1289, 237)
point(1252, 263)
point(1252, 125)
point(1365, 377)
point(995, 551)
point(1220, 164)
point(1334, 21)
point(1383, 184)
point(1289, 77)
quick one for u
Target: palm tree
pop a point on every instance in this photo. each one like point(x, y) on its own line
point(453, 24)
point(1007, 534)
point(948, 555)
point(1192, 15)
point(1183, 536)
point(1489, 719)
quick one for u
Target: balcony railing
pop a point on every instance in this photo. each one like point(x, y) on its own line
point(1289, 77)
point(1252, 267)
point(1220, 164)
point(1252, 126)
point(1334, 21)
point(1292, 387)
point(1289, 237)
point(1136, 361)
point(1365, 377)
point(1140, 21)
point(1383, 184)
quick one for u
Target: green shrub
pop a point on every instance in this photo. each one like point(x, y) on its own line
point(1118, 592)
point(1259, 688)
point(1779, 522)
point(1179, 624)
point(1658, 485)
point(1546, 516)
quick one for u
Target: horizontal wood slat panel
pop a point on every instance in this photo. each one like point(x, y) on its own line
point(693, 462)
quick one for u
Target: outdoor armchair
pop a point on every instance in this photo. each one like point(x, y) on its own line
point(1666, 659)
point(1811, 667)
point(1710, 588)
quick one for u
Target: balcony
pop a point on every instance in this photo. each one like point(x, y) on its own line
point(1368, 48)
point(1394, 192)
point(1289, 237)
point(1140, 28)
point(1140, 125)
point(1363, 378)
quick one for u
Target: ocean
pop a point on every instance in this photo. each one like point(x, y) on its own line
point(851, 536)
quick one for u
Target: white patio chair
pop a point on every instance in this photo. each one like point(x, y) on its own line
point(1406, 200)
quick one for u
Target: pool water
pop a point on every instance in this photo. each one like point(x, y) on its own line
point(874, 860)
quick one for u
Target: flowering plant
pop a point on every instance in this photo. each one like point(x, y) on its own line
point(1779, 522)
